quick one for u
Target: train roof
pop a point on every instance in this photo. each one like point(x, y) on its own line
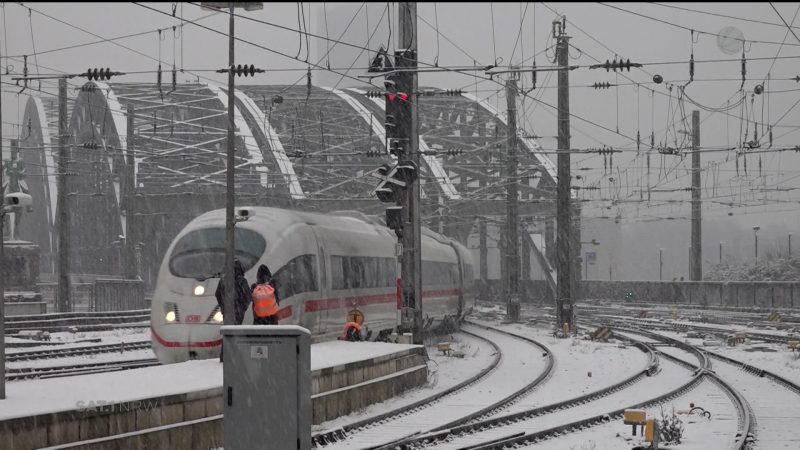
point(287, 217)
point(350, 220)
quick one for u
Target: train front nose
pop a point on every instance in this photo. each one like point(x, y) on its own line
point(182, 342)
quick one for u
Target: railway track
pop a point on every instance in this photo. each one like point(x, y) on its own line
point(701, 372)
point(779, 408)
point(487, 429)
point(503, 432)
point(747, 419)
point(389, 429)
point(14, 374)
point(616, 321)
point(76, 351)
point(87, 321)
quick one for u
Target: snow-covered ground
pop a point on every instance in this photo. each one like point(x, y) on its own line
point(443, 373)
point(83, 359)
point(700, 433)
point(520, 364)
point(671, 377)
point(335, 353)
point(581, 366)
point(31, 397)
point(776, 408)
point(83, 339)
point(773, 357)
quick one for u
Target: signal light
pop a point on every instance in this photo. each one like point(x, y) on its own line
point(403, 96)
point(396, 147)
point(407, 172)
point(394, 219)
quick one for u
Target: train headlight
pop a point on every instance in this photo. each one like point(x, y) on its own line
point(170, 316)
point(199, 290)
point(218, 317)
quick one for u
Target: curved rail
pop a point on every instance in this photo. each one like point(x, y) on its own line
point(512, 398)
point(494, 407)
point(746, 416)
point(471, 428)
point(328, 437)
point(743, 438)
point(756, 371)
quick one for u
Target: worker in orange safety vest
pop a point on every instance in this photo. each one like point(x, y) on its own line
point(265, 298)
point(352, 332)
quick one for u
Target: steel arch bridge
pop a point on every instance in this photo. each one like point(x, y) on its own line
point(142, 162)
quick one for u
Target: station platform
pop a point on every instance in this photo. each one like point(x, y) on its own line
point(69, 412)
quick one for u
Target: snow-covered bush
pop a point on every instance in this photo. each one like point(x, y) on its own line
point(670, 427)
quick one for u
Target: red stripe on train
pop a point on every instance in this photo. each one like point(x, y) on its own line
point(344, 302)
point(167, 343)
point(284, 312)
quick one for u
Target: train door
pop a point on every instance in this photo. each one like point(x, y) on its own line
point(460, 280)
point(320, 314)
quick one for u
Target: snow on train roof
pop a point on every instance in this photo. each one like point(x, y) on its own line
point(286, 217)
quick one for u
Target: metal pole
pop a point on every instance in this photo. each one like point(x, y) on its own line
point(512, 240)
point(755, 234)
point(720, 252)
point(130, 234)
point(230, 294)
point(64, 301)
point(2, 267)
point(564, 210)
point(586, 266)
point(790, 245)
point(484, 254)
point(412, 240)
point(697, 250)
point(660, 265)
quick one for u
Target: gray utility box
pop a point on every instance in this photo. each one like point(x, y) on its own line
point(267, 387)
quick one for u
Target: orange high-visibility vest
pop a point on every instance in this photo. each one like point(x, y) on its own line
point(348, 326)
point(264, 303)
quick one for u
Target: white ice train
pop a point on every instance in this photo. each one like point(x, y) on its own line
point(325, 266)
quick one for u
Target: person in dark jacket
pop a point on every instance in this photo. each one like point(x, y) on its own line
point(242, 298)
point(263, 276)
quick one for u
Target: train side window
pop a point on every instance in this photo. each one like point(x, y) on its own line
point(358, 278)
point(389, 271)
point(297, 276)
point(337, 272)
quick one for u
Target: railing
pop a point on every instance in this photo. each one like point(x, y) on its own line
point(101, 295)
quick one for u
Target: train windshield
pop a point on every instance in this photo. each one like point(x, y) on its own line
point(201, 253)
